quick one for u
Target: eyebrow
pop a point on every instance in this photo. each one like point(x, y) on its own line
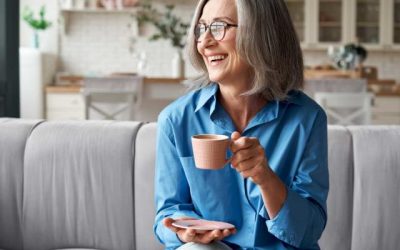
point(222, 18)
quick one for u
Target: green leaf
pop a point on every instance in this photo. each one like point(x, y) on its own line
point(36, 23)
point(168, 25)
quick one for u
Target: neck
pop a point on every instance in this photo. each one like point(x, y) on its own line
point(240, 108)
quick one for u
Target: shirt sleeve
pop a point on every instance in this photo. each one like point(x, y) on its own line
point(302, 219)
point(172, 195)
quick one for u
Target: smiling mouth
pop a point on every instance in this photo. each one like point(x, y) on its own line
point(215, 60)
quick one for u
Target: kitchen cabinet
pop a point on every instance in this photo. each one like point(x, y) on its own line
point(386, 110)
point(297, 10)
point(64, 103)
point(320, 23)
point(394, 23)
point(330, 21)
point(369, 21)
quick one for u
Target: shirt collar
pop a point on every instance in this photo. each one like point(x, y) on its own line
point(205, 94)
point(210, 91)
point(294, 97)
point(269, 113)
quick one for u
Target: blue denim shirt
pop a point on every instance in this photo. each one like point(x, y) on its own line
point(293, 133)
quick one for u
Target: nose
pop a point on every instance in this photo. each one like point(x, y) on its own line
point(207, 39)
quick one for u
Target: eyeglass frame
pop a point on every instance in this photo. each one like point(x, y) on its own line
point(208, 27)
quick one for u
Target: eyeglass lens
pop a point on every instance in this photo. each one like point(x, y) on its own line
point(217, 30)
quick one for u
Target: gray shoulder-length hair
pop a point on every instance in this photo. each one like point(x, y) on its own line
point(267, 41)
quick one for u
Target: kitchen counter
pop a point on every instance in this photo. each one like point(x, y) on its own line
point(166, 82)
point(76, 87)
point(63, 89)
point(67, 101)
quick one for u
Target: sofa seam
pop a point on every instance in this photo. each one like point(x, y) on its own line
point(352, 178)
point(133, 146)
point(22, 220)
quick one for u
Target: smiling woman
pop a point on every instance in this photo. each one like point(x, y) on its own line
point(274, 192)
point(265, 38)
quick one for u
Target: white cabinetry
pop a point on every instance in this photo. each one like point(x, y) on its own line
point(65, 106)
point(319, 23)
point(66, 15)
point(386, 110)
point(393, 24)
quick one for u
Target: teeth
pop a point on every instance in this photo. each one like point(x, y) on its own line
point(213, 58)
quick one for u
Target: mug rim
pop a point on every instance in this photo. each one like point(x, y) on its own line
point(217, 137)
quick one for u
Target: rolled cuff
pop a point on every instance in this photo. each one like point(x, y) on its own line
point(291, 222)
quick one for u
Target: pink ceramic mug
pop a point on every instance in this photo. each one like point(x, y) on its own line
point(209, 150)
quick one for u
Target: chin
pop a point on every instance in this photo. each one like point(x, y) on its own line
point(215, 77)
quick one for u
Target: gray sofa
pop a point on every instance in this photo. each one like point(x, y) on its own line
point(89, 185)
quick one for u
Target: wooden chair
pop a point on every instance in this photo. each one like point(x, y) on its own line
point(110, 105)
point(346, 108)
point(112, 98)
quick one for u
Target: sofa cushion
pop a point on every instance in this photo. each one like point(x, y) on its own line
point(144, 187)
point(13, 136)
point(337, 234)
point(78, 188)
point(376, 209)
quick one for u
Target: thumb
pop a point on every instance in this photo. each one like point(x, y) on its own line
point(235, 135)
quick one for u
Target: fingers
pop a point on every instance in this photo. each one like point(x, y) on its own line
point(208, 236)
point(168, 223)
point(225, 233)
point(235, 135)
point(242, 158)
point(191, 235)
point(243, 143)
point(247, 153)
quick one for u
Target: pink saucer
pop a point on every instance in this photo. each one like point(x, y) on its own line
point(198, 224)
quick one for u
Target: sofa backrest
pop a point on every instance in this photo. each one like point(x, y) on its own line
point(376, 209)
point(13, 136)
point(78, 186)
point(90, 185)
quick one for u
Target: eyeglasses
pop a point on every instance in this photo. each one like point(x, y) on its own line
point(217, 29)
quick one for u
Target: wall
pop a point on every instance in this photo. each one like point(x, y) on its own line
point(98, 43)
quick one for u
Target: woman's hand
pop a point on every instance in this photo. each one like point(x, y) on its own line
point(191, 235)
point(249, 158)
point(250, 161)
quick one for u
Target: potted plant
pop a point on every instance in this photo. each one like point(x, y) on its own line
point(168, 27)
point(348, 56)
point(37, 24)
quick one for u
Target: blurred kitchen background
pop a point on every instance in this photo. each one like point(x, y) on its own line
point(96, 60)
